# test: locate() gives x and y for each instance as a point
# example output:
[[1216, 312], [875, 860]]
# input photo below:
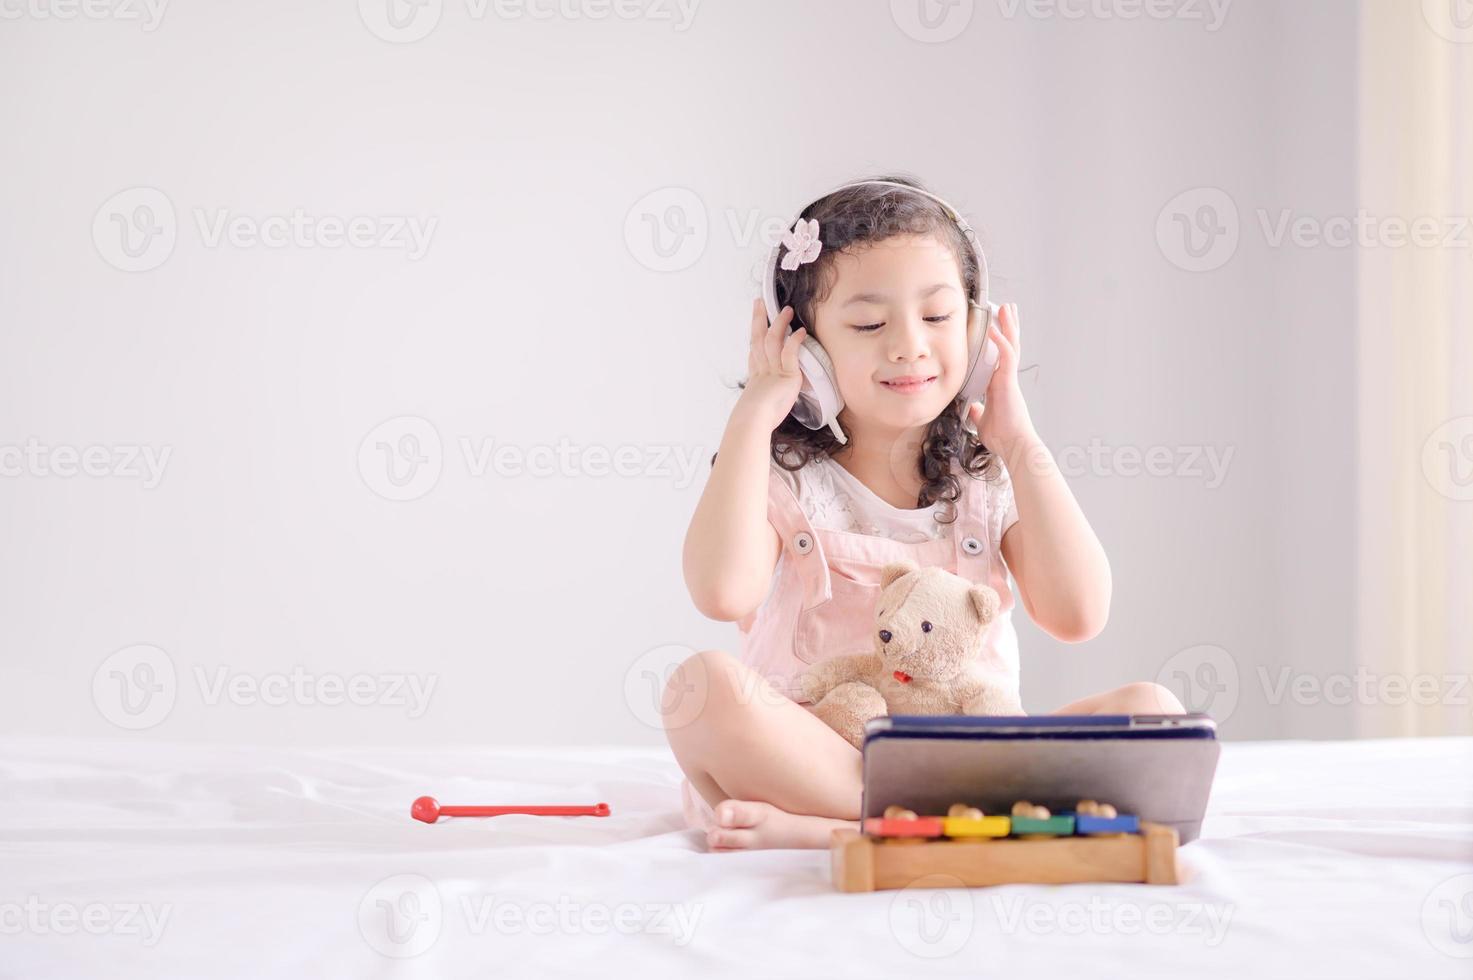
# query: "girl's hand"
[[1005, 424], [773, 378]]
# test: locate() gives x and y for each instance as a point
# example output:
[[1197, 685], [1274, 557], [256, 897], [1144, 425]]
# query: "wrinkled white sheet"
[[124, 858]]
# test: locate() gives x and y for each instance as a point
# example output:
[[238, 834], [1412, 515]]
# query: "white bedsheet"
[[123, 858]]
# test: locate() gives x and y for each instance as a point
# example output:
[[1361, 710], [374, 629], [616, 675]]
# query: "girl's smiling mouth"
[[909, 384]]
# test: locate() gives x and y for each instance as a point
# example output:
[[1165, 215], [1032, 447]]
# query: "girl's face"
[[898, 311]]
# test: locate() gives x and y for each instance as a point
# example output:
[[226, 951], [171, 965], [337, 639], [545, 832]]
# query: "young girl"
[[795, 524]]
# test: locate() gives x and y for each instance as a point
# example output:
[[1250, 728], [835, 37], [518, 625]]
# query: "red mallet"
[[428, 809]]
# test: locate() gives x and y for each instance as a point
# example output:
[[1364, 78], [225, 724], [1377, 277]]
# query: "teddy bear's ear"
[[985, 601], [895, 570]]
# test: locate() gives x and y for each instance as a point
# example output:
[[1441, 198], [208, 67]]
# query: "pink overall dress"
[[822, 603]]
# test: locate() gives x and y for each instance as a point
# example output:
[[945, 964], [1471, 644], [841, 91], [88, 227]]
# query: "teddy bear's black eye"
[[925, 626]]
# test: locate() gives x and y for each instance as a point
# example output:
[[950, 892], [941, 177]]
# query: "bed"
[[126, 858]]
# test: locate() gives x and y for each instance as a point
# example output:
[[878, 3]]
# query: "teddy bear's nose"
[[885, 636]]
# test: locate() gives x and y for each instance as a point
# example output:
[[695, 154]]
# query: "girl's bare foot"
[[747, 825]]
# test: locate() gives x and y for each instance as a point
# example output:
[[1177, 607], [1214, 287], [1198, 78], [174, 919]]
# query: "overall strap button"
[[971, 545], [802, 542]]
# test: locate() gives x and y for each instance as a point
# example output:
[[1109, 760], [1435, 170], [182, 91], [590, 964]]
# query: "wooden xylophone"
[[967, 848]]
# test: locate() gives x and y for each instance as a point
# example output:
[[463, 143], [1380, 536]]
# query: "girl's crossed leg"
[[774, 774], [777, 776]]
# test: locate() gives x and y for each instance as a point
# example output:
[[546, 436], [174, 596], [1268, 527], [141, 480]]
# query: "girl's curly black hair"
[[869, 213]]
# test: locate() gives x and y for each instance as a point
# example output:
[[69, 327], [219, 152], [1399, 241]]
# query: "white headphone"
[[819, 401]]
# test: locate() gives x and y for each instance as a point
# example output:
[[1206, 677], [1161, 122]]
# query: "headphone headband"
[[983, 289]]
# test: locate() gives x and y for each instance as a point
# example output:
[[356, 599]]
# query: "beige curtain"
[[1415, 587]]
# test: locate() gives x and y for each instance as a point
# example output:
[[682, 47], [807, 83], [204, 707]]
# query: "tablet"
[[1158, 767]]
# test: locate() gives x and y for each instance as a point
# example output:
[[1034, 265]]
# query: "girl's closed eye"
[[867, 327]]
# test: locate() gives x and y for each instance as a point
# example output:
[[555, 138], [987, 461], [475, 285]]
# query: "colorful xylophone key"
[[1028, 821]]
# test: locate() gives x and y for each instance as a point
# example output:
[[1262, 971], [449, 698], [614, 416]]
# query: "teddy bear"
[[929, 625]]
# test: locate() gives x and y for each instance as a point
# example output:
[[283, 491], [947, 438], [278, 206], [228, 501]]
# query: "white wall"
[[535, 602]]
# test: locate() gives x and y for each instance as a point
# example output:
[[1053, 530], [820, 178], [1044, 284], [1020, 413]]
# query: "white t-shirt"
[[834, 499]]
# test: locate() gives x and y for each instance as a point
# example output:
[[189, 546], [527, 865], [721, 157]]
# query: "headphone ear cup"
[[982, 357], [819, 401]]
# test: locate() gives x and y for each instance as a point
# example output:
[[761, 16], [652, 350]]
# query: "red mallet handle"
[[428, 809]]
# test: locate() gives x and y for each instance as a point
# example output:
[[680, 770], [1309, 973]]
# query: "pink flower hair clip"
[[802, 244]]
